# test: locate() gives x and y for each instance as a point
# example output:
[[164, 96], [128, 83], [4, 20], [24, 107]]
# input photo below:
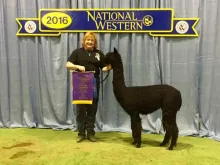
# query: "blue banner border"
[[109, 9], [172, 34], [19, 33], [154, 33]]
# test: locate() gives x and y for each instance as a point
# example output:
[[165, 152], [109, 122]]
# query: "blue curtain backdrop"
[[35, 86]]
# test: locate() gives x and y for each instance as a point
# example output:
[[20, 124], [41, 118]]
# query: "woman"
[[87, 58]]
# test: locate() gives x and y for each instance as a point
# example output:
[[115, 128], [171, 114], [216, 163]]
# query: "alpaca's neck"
[[118, 75]]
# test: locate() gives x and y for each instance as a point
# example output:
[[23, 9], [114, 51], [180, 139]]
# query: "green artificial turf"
[[23, 146]]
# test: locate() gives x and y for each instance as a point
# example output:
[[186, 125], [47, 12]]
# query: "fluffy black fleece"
[[145, 100]]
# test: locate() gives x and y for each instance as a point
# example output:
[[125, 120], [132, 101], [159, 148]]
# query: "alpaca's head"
[[113, 57]]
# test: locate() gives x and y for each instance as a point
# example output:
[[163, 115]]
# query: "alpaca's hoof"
[[163, 144], [138, 145], [170, 148], [134, 143]]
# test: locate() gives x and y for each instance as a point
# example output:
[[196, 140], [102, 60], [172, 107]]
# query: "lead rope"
[[105, 77], [77, 70]]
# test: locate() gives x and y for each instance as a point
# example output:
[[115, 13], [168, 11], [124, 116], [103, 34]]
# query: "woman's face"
[[89, 43]]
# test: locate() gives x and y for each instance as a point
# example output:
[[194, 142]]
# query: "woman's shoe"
[[92, 138], [80, 138]]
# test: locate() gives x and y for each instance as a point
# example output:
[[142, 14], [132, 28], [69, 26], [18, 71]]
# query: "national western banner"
[[156, 22], [83, 87]]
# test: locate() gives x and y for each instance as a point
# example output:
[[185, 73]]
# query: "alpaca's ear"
[[115, 50]]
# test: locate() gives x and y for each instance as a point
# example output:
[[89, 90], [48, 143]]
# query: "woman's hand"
[[107, 68], [81, 68], [72, 67]]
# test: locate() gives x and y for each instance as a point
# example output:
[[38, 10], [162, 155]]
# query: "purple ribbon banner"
[[83, 87]]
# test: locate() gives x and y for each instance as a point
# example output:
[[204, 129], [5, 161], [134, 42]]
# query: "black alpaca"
[[145, 100]]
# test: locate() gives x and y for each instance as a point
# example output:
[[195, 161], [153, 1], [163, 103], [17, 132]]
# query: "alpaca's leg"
[[136, 134], [171, 104], [174, 132], [170, 120], [167, 134], [134, 137], [174, 137], [136, 129]]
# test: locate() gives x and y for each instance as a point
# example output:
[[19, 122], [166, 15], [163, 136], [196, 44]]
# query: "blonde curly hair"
[[90, 34]]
